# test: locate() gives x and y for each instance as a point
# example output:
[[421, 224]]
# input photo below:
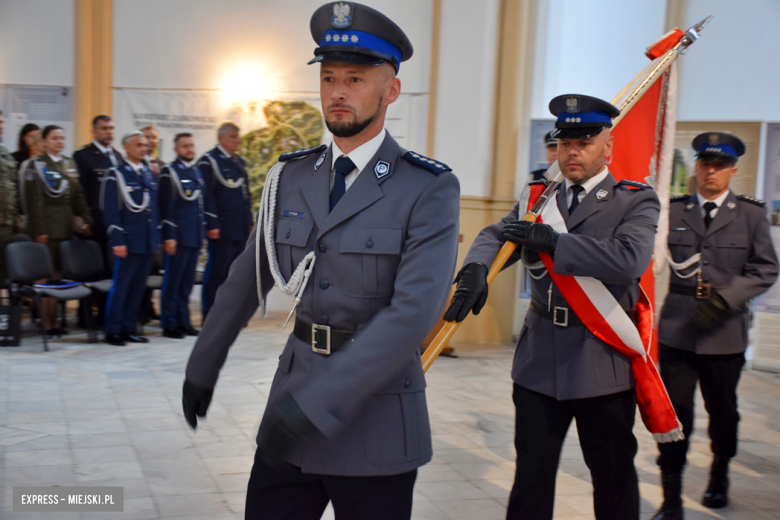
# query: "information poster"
[[40, 105]]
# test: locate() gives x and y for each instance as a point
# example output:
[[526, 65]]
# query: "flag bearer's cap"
[[580, 116]]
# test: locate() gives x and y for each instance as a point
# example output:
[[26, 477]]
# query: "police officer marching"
[[561, 370], [228, 208], [183, 228], [128, 199], [373, 228], [721, 257]]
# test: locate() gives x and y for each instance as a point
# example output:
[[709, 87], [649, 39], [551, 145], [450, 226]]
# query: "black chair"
[[82, 261], [29, 262]]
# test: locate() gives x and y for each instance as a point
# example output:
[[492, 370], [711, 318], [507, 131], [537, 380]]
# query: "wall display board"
[[767, 322], [40, 105]]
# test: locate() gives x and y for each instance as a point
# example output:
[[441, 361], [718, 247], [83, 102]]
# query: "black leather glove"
[[711, 313], [287, 427], [536, 237], [195, 402], [471, 294]]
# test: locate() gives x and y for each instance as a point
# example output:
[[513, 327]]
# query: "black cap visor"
[[724, 158], [576, 131], [346, 54]]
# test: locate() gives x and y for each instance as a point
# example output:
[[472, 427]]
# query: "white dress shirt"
[[588, 185], [106, 151], [359, 156], [55, 158], [718, 202], [224, 152]]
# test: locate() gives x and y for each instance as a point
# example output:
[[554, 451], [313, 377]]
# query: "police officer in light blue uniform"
[[128, 199], [228, 208], [183, 228]]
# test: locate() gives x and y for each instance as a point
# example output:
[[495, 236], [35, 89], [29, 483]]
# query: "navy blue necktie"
[[575, 200], [708, 207], [344, 166]]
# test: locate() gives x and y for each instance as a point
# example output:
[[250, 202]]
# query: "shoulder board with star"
[[634, 185], [758, 202], [435, 167], [297, 154], [679, 198]]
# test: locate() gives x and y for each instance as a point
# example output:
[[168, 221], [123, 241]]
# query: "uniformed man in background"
[[129, 203], [721, 257], [183, 229], [551, 147], [346, 419], [561, 370], [8, 213], [93, 160], [228, 208], [153, 162]]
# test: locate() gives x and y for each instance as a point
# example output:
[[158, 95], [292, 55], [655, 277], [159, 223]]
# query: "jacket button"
[[322, 248], [733, 242], [407, 383], [706, 245], [324, 320], [287, 235], [569, 268], [324, 284], [369, 244], [706, 262]]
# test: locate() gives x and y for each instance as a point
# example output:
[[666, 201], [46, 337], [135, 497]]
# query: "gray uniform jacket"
[[385, 257], [610, 239], [738, 260]]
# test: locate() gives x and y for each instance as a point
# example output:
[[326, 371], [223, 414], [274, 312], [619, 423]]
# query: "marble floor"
[[99, 415]]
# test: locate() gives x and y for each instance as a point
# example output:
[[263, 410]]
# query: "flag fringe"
[[672, 436]]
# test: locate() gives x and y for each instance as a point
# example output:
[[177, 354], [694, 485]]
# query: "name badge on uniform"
[[293, 214]]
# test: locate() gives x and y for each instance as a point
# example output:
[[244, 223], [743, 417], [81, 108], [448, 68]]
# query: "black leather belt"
[[701, 292], [323, 340], [560, 316]]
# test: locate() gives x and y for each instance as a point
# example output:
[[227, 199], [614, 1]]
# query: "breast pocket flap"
[[736, 241], [293, 232], [371, 241], [682, 238]]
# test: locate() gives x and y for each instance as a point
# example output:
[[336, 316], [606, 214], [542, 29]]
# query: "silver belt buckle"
[[320, 334], [565, 322]]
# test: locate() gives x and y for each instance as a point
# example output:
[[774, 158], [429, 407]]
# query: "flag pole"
[[691, 35]]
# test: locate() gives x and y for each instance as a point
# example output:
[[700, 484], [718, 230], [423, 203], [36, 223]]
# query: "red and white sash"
[[601, 313]]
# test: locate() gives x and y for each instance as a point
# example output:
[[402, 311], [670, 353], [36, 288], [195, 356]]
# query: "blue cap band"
[[363, 40], [584, 117], [718, 148]]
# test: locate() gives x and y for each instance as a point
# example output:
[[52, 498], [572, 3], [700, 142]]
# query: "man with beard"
[[181, 217], [561, 370], [376, 228], [228, 208]]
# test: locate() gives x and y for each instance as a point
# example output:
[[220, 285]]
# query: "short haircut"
[[227, 127], [49, 129], [149, 127], [130, 135], [99, 118], [180, 136]]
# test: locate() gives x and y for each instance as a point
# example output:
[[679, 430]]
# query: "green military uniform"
[[8, 211], [52, 197]]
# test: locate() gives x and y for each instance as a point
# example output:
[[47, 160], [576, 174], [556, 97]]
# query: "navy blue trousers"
[[222, 253], [177, 286], [127, 291]]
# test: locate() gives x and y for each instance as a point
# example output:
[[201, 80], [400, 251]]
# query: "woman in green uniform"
[[54, 204]]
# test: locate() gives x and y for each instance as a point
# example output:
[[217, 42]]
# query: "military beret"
[[549, 140], [718, 146], [355, 33], [580, 117]]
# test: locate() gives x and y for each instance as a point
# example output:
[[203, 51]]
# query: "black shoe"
[[716, 495], [189, 330], [132, 338], [173, 333], [56, 331], [672, 508], [118, 340]]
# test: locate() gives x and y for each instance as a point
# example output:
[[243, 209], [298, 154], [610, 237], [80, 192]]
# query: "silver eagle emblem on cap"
[[341, 16], [572, 104], [714, 138]]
